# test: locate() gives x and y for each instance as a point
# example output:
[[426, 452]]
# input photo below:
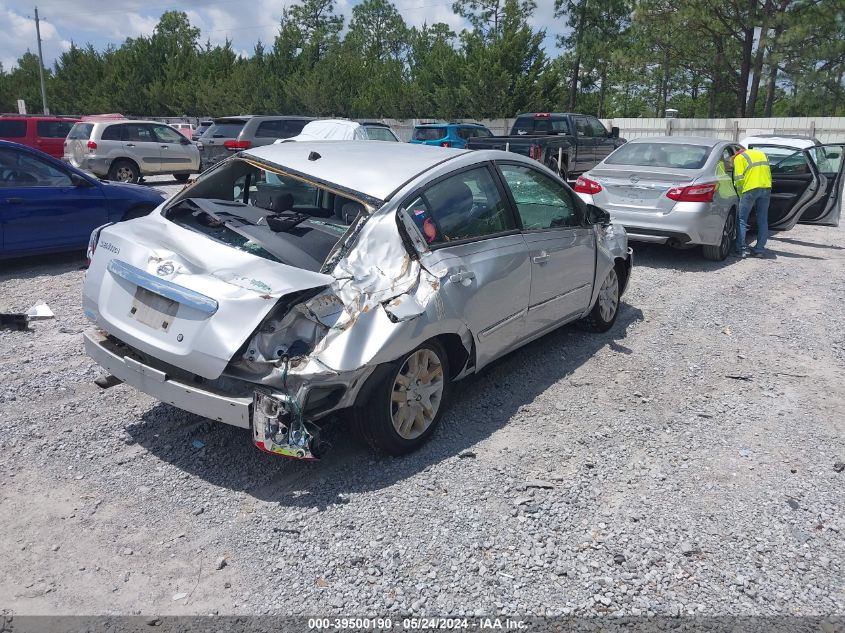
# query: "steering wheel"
[[8, 175]]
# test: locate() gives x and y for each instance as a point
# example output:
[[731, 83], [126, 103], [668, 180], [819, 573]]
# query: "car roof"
[[680, 140], [451, 124], [796, 142], [373, 168]]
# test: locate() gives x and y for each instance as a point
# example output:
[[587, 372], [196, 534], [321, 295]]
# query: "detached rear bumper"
[[152, 381]]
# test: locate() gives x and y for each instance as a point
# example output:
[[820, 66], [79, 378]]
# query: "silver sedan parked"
[[669, 189], [295, 280]]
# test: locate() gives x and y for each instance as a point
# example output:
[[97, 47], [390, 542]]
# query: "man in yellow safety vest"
[[753, 182]]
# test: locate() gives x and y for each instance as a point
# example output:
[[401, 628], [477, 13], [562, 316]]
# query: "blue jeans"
[[759, 198]]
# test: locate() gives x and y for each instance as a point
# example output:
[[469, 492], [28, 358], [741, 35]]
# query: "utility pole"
[[46, 110]]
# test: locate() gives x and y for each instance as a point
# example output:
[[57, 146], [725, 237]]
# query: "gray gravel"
[[683, 463]]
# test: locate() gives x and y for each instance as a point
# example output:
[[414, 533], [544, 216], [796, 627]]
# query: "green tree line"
[[615, 58]]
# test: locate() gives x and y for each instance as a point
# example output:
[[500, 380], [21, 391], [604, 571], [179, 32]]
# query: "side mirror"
[[185, 141], [79, 181], [614, 132], [597, 215]]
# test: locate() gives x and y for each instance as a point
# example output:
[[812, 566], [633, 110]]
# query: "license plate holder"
[[153, 310]]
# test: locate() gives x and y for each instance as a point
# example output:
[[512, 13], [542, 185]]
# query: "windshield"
[[225, 129], [265, 213], [672, 155], [429, 133]]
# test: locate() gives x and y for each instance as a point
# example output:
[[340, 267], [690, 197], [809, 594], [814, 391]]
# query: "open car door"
[[830, 164], [806, 185]]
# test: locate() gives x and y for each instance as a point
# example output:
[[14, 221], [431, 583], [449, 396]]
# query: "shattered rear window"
[[264, 213]]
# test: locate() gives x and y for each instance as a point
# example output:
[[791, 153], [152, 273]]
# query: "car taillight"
[[585, 185], [535, 152], [446, 144], [236, 145], [693, 193], [542, 115], [91, 146], [92, 241]]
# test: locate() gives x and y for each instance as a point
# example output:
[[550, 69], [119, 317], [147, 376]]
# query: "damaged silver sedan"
[[299, 280]]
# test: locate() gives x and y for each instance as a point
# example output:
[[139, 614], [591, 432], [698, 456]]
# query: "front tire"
[[720, 252], [603, 315], [402, 411], [181, 177], [124, 171]]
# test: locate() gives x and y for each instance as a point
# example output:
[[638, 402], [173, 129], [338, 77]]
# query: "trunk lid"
[[181, 297], [638, 188]]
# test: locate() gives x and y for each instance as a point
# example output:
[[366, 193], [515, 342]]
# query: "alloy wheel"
[[609, 296], [124, 174], [417, 394]]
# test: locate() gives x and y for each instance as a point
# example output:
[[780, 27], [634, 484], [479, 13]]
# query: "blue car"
[[448, 134], [48, 206]]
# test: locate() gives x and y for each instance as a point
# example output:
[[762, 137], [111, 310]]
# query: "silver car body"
[[381, 292], [635, 195], [154, 148]]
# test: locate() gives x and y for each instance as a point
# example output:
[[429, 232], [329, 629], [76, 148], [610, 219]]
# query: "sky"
[[242, 21]]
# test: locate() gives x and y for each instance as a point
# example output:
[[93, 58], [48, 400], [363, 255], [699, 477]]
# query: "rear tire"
[[604, 312], [720, 252], [124, 171], [181, 177], [402, 411]]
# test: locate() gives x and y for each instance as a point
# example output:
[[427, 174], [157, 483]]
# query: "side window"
[[582, 127], [138, 133], [15, 128], [483, 132], [167, 134], [794, 164], [291, 127], [726, 162], [828, 158], [19, 169], [464, 206], [466, 133], [379, 134], [597, 127], [269, 129], [112, 133], [53, 129], [541, 202]]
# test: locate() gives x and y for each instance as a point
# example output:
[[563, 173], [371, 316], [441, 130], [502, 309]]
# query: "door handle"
[[130, 145], [164, 147], [14, 200], [541, 258], [461, 276]]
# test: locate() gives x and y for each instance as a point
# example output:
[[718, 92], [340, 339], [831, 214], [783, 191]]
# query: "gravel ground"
[[681, 463]]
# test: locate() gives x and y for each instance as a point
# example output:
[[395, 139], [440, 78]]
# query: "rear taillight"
[[446, 144], [585, 185], [92, 241], [693, 193], [236, 145], [91, 146], [535, 152]]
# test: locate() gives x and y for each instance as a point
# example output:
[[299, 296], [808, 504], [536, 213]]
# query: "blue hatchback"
[[448, 134], [48, 206]]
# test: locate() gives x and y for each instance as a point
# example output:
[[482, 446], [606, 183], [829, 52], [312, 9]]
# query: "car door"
[[40, 206], [585, 151], [176, 156], [797, 187], [829, 162], [603, 143], [560, 245], [141, 145], [51, 135], [471, 234]]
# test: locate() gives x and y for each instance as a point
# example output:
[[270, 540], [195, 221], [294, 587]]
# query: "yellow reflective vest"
[[751, 171]]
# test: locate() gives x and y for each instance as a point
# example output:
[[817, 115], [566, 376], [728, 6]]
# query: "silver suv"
[[231, 134], [127, 150]]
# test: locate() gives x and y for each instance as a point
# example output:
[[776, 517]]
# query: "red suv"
[[43, 132]]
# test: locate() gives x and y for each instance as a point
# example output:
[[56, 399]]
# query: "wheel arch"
[[125, 159]]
